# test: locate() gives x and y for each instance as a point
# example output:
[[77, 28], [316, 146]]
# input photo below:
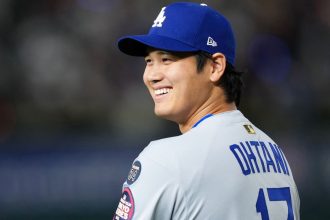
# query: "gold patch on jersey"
[[249, 129]]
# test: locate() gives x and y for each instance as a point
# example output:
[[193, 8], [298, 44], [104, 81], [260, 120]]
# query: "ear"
[[219, 65]]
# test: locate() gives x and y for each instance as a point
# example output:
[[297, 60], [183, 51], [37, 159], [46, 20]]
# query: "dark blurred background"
[[74, 112]]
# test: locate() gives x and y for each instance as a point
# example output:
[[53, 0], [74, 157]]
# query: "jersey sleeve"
[[151, 191]]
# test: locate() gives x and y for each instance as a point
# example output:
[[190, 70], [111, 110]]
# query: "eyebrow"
[[162, 52]]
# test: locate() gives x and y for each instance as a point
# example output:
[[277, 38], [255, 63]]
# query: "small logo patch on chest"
[[249, 129], [134, 173]]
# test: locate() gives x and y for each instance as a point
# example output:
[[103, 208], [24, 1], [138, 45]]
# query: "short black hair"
[[231, 81]]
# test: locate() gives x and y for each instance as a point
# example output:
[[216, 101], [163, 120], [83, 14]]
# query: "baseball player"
[[222, 166]]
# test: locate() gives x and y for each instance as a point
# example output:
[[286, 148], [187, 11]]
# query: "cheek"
[[145, 81], [195, 89]]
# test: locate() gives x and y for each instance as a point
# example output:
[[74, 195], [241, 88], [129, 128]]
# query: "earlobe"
[[219, 65]]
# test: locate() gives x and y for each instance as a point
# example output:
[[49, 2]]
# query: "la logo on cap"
[[160, 18]]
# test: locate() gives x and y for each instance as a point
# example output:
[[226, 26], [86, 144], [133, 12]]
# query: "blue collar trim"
[[202, 119]]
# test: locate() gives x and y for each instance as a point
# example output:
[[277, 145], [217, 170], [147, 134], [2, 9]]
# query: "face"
[[178, 90]]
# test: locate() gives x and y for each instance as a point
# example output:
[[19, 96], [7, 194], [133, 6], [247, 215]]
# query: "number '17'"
[[274, 194]]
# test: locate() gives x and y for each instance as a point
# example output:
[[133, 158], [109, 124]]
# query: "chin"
[[162, 113], [166, 115]]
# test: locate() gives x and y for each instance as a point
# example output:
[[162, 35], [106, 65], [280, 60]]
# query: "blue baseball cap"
[[184, 27]]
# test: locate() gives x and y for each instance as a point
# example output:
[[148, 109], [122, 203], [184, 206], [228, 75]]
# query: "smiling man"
[[222, 166], [173, 79]]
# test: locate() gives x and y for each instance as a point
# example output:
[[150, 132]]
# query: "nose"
[[152, 74]]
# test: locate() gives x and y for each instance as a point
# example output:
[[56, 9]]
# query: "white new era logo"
[[160, 18], [211, 42]]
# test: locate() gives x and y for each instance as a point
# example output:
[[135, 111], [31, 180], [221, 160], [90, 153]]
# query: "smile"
[[162, 91]]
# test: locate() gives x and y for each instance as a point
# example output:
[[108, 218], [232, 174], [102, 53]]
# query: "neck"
[[196, 116]]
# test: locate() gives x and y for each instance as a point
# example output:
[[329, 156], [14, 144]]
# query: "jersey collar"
[[202, 119]]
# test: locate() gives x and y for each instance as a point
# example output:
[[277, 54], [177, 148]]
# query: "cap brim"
[[137, 45]]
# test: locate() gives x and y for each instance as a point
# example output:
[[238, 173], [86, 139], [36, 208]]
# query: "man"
[[222, 166]]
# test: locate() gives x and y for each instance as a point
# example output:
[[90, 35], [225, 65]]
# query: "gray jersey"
[[224, 168]]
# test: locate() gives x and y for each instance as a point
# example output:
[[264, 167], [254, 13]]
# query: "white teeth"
[[162, 91]]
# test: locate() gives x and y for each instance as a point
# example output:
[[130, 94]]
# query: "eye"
[[148, 61], [167, 59]]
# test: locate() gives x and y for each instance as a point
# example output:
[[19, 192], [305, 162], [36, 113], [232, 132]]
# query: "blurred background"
[[74, 112]]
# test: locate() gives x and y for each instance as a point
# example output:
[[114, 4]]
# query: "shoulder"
[[173, 148], [162, 153], [170, 152]]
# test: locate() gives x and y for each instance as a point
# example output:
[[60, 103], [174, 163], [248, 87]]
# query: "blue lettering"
[[250, 156], [278, 158], [285, 163], [268, 158], [237, 150], [256, 144]]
